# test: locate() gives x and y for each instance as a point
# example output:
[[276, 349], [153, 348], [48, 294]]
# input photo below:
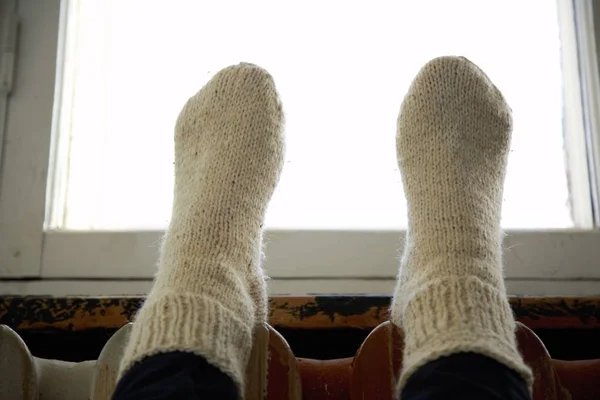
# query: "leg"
[[453, 140], [175, 375], [209, 292], [465, 376]]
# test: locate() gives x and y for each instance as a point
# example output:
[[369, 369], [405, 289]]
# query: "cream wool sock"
[[210, 290], [453, 140]]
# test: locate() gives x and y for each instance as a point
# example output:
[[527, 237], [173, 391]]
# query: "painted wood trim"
[[27, 140], [547, 255]]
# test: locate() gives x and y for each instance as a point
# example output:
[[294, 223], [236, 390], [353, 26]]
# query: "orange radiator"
[[368, 370]]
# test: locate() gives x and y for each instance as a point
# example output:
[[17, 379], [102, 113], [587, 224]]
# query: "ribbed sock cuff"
[[190, 323], [459, 315]]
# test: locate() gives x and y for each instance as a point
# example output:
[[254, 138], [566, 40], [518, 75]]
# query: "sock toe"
[[244, 83], [457, 85]]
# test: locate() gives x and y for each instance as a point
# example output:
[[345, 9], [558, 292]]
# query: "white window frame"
[[35, 261]]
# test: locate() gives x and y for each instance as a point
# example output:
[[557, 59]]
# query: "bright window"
[[342, 69], [86, 138]]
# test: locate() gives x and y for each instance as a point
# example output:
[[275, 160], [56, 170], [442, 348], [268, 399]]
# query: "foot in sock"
[[209, 291], [453, 140]]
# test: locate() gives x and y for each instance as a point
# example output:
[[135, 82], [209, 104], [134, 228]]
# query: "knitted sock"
[[209, 291], [453, 139]]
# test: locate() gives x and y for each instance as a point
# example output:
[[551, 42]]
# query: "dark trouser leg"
[[465, 376], [175, 375]]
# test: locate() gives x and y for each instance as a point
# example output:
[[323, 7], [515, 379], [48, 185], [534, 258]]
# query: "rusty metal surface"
[[547, 384], [300, 312], [557, 312], [377, 362], [581, 378], [325, 379], [67, 313], [371, 374], [284, 381]]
